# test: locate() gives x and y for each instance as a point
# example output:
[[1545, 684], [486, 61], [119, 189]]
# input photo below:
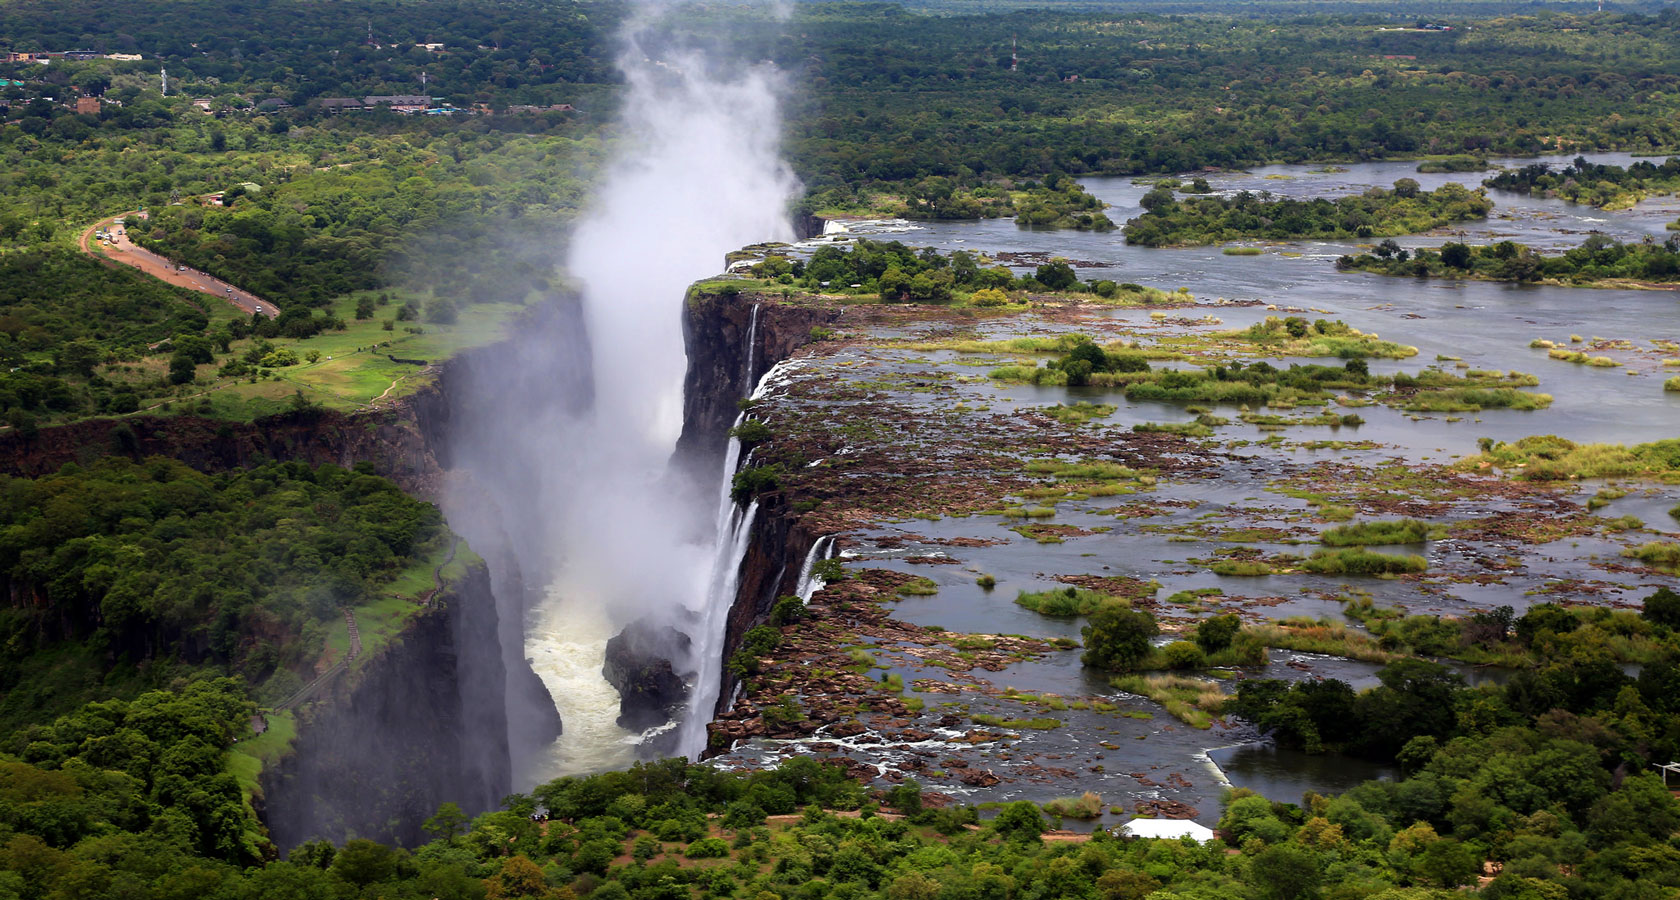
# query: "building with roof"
[[1170, 829]]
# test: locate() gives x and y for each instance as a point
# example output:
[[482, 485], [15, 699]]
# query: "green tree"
[[1216, 633], [1020, 821], [446, 823], [1286, 871], [182, 369], [1117, 638]]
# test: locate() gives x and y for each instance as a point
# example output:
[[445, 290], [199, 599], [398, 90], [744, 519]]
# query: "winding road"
[[120, 249]]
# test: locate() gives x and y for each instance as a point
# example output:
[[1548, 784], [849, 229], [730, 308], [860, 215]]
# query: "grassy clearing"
[[354, 366], [247, 758], [1190, 700]]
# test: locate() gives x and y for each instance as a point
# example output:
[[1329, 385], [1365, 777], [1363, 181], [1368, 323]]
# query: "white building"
[[1166, 828]]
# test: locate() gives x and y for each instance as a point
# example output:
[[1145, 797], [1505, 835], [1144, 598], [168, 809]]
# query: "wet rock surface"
[[638, 663]]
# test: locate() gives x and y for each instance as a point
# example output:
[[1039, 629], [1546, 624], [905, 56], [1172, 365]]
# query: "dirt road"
[[121, 249]]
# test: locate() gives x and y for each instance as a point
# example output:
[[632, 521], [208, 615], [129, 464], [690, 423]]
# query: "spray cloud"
[[699, 175]]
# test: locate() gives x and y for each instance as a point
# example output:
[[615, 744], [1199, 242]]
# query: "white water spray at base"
[[700, 175]]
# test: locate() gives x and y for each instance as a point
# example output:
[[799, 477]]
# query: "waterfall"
[[752, 348], [809, 582], [734, 528]]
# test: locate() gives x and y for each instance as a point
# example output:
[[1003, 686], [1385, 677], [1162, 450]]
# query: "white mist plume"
[[700, 176]]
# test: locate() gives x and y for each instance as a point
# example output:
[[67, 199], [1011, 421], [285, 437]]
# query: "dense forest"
[[1538, 784], [141, 572]]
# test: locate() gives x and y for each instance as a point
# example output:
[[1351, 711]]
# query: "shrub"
[[1183, 655], [707, 848], [1215, 634], [1085, 806], [752, 431], [1064, 601], [1360, 534], [986, 582], [749, 483], [787, 610], [1117, 637], [1355, 561]]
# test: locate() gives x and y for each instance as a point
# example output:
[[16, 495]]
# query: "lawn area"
[[354, 366], [247, 758]]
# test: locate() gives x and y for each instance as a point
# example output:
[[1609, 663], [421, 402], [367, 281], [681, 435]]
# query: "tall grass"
[[1190, 700], [1065, 601], [1085, 806], [1368, 534], [1330, 638], [1356, 561]]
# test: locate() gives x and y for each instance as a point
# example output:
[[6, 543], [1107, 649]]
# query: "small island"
[[1598, 186], [1170, 221], [1600, 261]]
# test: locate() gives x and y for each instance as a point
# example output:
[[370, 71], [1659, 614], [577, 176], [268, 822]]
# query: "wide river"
[[1453, 324]]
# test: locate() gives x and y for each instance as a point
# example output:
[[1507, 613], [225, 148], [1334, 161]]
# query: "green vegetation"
[[1192, 701], [1294, 336], [1088, 805], [1458, 163], [1358, 561], [899, 273], [1064, 601], [152, 571], [1551, 458], [1369, 534], [919, 586], [1169, 221], [1599, 260], [1330, 638], [1602, 186]]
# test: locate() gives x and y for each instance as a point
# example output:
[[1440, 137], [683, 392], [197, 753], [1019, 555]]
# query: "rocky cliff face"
[[420, 724], [723, 366], [716, 327]]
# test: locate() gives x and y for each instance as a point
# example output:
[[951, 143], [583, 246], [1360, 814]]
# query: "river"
[[1141, 754]]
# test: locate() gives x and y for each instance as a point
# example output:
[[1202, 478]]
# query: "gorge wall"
[[716, 327], [421, 723]]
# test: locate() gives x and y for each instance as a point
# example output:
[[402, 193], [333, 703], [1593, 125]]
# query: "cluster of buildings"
[[415, 104], [47, 56]]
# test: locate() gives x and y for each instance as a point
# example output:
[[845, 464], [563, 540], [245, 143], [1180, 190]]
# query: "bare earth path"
[[124, 251]]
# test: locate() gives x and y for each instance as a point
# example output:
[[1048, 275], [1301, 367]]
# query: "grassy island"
[[1171, 221], [1600, 186], [1599, 261]]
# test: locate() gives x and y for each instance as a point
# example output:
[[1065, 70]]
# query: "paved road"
[[122, 250]]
